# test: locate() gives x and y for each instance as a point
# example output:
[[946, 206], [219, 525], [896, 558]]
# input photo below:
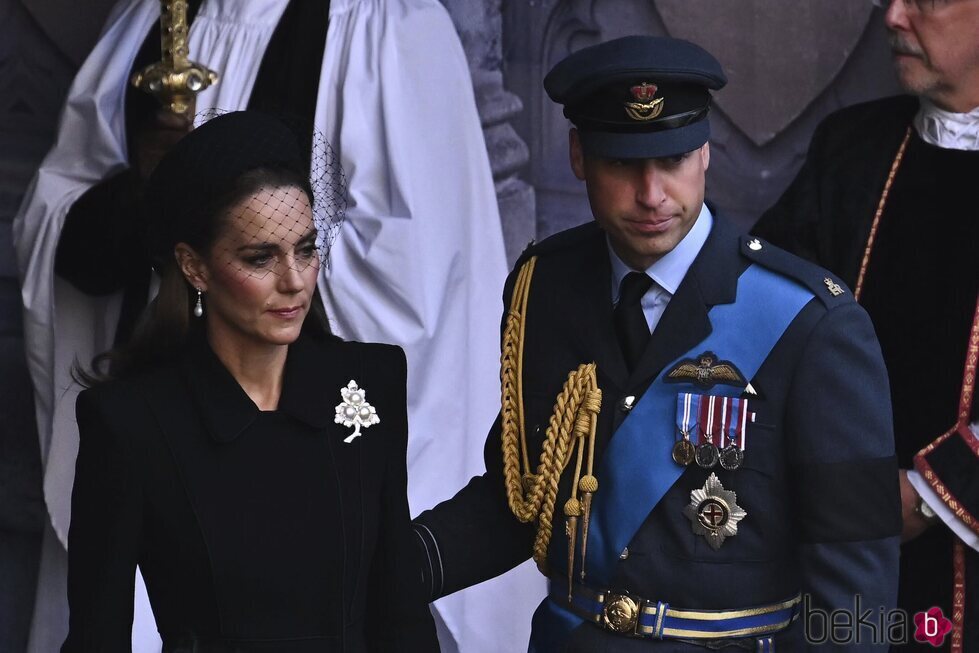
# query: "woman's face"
[[261, 272]]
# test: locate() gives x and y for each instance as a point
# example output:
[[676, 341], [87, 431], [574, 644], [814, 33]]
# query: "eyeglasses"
[[917, 6]]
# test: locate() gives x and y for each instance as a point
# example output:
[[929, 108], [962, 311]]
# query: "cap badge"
[[645, 107], [706, 371], [354, 410], [714, 513]]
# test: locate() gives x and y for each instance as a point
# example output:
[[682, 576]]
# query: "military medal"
[[354, 410], [707, 452], [732, 455], [707, 455], [684, 451], [714, 513]]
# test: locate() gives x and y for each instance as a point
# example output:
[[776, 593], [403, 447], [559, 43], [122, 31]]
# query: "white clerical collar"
[[669, 270], [951, 131]]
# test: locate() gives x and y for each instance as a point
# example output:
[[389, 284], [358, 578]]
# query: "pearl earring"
[[198, 307]]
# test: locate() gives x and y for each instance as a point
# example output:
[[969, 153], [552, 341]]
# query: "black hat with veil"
[[239, 181], [202, 175]]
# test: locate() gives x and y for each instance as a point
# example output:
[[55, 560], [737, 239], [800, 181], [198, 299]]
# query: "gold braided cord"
[[532, 495]]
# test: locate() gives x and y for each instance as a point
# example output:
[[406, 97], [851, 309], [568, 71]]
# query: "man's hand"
[[156, 137], [914, 522]]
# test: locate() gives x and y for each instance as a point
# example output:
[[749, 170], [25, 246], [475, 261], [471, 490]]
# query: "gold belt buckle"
[[620, 614]]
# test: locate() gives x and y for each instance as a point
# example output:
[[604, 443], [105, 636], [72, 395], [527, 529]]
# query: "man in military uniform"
[[886, 200], [695, 438]]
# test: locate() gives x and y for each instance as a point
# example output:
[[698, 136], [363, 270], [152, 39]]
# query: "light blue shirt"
[[667, 272]]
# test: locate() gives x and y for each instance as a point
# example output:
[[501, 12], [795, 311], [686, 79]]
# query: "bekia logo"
[[931, 627], [860, 624]]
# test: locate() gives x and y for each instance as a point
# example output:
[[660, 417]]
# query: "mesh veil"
[[241, 191]]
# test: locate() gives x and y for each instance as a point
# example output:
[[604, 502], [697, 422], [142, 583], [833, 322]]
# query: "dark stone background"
[[790, 64]]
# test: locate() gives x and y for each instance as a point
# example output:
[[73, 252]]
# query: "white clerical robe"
[[419, 261]]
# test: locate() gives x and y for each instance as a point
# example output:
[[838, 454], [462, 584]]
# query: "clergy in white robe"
[[419, 261]]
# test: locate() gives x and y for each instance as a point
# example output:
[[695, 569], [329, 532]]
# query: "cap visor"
[[645, 145]]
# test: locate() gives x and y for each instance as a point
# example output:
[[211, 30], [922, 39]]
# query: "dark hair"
[[165, 326]]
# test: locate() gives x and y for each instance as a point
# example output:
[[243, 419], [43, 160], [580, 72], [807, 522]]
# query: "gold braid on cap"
[[573, 424]]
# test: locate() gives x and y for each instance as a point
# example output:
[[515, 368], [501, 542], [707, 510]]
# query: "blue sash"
[[637, 469]]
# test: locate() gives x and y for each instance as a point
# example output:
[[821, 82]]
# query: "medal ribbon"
[[722, 434], [738, 423], [707, 419], [687, 414]]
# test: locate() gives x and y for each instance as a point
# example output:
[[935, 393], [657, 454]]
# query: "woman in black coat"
[[250, 463]]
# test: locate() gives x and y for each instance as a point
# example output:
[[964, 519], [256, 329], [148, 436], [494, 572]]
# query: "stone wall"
[[480, 27]]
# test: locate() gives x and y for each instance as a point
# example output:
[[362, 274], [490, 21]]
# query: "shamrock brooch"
[[354, 410]]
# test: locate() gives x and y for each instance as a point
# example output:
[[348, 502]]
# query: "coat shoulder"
[[372, 353], [127, 391], [123, 406], [561, 242], [886, 117], [827, 287]]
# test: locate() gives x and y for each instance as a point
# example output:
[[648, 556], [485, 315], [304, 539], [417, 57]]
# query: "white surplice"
[[419, 261]]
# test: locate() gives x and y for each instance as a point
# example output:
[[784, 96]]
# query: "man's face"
[[935, 45], [646, 206]]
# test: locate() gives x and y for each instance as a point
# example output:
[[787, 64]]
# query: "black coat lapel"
[[712, 279]]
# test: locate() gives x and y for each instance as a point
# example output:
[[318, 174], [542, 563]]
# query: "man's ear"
[[576, 154], [705, 155], [191, 265]]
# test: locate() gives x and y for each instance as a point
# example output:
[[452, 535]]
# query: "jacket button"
[[625, 554], [627, 403]]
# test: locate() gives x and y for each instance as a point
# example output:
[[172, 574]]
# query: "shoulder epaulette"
[[826, 286], [559, 241]]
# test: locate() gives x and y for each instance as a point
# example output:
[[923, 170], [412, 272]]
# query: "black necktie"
[[630, 323]]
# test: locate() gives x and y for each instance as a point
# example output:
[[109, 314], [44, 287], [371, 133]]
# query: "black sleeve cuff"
[[432, 579], [949, 466]]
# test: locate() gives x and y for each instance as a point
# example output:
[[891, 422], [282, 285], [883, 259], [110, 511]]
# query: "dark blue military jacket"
[[818, 482]]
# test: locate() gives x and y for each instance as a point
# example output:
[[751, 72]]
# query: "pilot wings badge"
[[705, 372]]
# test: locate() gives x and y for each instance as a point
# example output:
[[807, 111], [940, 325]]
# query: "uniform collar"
[[668, 272], [225, 408], [945, 129]]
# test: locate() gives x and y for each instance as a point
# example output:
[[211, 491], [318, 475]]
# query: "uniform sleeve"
[[404, 623], [942, 510], [949, 468], [103, 541], [474, 536], [846, 495], [103, 225]]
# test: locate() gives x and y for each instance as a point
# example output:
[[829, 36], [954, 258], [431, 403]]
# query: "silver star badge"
[[354, 410], [714, 513]]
